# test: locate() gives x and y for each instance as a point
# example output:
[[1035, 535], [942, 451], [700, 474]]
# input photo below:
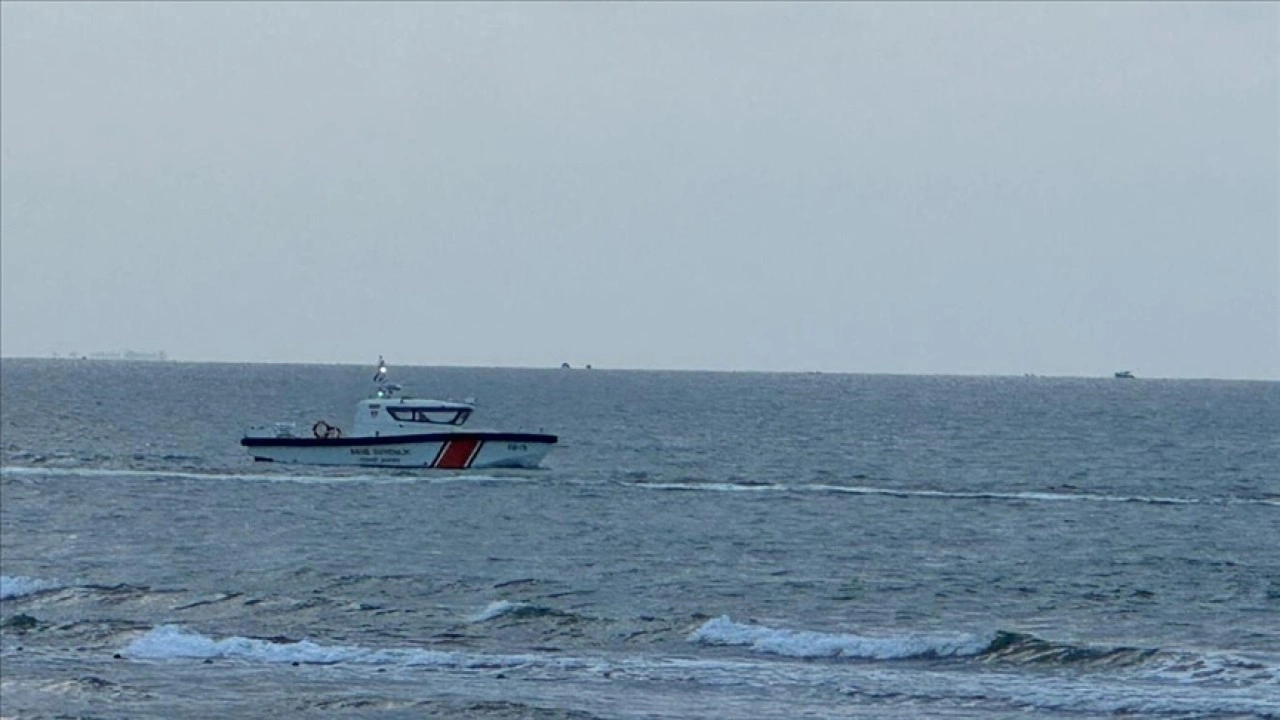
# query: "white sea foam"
[[392, 475], [497, 609], [711, 486], [172, 642], [1023, 496], [1217, 667], [19, 585], [808, 644], [1218, 670]]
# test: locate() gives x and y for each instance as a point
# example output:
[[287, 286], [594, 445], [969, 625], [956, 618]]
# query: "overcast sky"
[[1002, 188]]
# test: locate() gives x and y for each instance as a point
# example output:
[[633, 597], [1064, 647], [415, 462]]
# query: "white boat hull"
[[442, 451]]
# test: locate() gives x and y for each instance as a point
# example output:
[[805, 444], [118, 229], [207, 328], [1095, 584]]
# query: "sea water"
[[699, 545]]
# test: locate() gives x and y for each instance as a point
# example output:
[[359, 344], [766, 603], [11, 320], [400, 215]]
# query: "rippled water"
[[699, 545]]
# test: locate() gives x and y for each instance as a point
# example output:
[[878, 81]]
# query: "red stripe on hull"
[[458, 454]]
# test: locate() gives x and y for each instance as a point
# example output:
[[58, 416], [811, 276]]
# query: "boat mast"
[[385, 389]]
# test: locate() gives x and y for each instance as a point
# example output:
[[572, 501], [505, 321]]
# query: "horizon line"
[[591, 367]]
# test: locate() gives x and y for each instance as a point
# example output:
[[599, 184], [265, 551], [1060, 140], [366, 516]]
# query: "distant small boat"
[[1124, 375], [129, 355]]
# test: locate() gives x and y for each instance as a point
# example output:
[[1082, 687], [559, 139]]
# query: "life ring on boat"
[[321, 429]]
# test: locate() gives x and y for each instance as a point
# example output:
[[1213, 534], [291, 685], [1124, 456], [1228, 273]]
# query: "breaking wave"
[[20, 585], [506, 608], [1163, 692], [809, 644], [172, 642], [994, 647]]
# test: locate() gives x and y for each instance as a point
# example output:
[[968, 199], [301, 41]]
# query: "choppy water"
[[699, 546]]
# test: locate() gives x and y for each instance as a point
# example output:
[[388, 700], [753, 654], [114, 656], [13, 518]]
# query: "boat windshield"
[[434, 416]]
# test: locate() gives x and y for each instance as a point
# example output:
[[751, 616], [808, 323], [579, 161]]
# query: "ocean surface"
[[699, 545]]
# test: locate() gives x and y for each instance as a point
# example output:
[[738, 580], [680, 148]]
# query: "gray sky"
[[1043, 188]]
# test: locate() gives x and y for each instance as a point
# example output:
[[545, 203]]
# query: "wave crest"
[[995, 647], [20, 585], [1024, 648], [809, 644], [171, 642], [516, 610]]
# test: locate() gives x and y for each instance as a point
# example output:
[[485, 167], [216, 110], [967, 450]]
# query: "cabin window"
[[436, 416]]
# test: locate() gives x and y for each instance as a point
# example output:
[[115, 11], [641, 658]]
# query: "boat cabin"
[[378, 416]]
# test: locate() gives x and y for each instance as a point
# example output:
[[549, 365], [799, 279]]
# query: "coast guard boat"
[[391, 430]]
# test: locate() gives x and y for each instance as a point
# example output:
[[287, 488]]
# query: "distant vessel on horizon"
[[1124, 375], [129, 355]]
